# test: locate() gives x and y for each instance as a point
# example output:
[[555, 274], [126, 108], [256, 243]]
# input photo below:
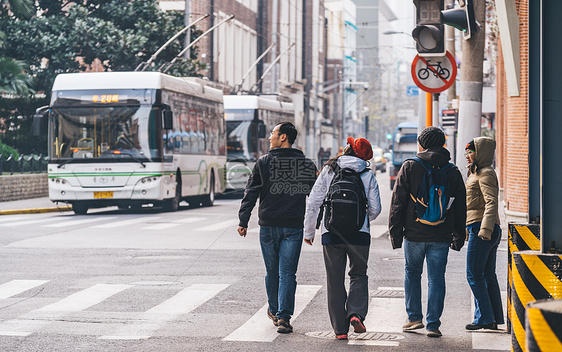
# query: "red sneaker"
[[358, 326], [341, 337]]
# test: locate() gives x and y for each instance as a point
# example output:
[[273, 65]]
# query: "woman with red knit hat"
[[345, 308]]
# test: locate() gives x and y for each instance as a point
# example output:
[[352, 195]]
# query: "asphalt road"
[[185, 281]]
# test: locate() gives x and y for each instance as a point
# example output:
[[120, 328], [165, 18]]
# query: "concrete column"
[[470, 102]]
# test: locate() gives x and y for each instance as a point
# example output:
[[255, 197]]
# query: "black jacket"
[[402, 218], [281, 179]]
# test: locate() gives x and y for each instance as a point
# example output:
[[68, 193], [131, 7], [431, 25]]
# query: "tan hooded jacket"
[[482, 188]]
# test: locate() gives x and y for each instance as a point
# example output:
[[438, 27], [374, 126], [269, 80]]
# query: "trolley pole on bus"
[[164, 68], [144, 65]]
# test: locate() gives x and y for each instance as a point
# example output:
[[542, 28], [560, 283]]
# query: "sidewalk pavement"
[[33, 205]]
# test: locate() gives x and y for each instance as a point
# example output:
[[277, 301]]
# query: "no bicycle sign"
[[434, 74]]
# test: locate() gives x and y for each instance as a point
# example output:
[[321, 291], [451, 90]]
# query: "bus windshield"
[[242, 140], [115, 132]]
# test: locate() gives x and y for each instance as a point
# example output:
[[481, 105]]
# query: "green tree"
[[67, 37], [121, 34], [20, 8], [13, 79]]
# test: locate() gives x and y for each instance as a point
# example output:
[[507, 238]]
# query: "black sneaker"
[[272, 317], [283, 326], [491, 326]]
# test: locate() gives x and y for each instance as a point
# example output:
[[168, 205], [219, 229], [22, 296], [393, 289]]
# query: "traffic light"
[[429, 33], [461, 18]]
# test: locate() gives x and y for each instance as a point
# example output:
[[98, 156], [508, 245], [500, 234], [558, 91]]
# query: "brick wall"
[[513, 126], [14, 187]]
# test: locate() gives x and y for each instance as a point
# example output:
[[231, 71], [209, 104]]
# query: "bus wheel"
[[174, 203], [209, 199], [79, 209]]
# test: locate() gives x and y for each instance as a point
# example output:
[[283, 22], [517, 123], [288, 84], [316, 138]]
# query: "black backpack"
[[434, 196], [345, 203]]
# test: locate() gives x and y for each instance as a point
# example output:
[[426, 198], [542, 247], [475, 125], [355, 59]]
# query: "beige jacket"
[[482, 189]]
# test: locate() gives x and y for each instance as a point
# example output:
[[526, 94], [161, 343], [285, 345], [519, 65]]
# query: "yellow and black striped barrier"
[[536, 276], [543, 328], [522, 237]]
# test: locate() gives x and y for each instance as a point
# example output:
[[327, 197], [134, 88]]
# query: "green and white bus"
[[132, 138], [249, 119]]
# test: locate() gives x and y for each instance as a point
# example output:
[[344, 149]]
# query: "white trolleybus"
[[134, 138], [249, 119]]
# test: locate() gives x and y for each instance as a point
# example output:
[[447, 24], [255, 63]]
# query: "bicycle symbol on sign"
[[437, 70]]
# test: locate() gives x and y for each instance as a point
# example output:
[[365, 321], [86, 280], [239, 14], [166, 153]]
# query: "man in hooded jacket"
[[423, 241]]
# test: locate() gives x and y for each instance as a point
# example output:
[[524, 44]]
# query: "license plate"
[[108, 194]]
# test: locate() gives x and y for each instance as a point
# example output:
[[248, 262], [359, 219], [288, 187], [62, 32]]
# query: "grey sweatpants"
[[341, 305]]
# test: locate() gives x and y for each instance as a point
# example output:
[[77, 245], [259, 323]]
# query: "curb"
[[35, 210]]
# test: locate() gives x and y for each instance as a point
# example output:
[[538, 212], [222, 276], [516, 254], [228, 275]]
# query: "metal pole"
[[256, 85], [186, 20], [239, 86], [145, 65], [193, 43], [450, 46], [315, 146], [428, 110], [435, 119]]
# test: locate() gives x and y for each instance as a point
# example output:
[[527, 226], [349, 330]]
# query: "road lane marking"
[[85, 298], [153, 319], [80, 222], [260, 328], [386, 315], [27, 222], [16, 287], [189, 220], [378, 230], [124, 223], [218, 226], [490, 339], [13, 217], [161, 226], [40, 318]]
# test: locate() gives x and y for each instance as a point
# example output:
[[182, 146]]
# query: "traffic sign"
[[449, 118], [434, 74], [412, 91]]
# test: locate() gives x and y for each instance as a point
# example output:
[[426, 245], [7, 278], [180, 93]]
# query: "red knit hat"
[[361, 147]]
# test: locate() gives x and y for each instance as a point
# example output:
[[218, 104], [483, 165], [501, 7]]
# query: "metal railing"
[[25, 164]]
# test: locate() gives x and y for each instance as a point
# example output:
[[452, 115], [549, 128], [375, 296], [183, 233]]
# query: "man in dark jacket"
[[423, 241], [281, 179]]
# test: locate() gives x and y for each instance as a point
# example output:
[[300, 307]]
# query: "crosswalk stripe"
[[13, 217], [260, 328], [124, 222], [491, 340], [27, 222], [16, 287], [73, 303], [183, 302], [218, 226], [189, 220], [386, 315], [85, 298], [161, 226], [79, 222]]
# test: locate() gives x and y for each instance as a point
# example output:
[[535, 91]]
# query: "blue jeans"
[[281, 249], [481, 275], [436, 254]]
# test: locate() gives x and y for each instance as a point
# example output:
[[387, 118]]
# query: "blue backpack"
[[433, 198]]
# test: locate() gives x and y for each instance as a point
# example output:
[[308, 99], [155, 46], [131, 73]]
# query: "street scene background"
[[115, 280]]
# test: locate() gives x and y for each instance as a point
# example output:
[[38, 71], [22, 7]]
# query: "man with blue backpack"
[[427, 215]]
